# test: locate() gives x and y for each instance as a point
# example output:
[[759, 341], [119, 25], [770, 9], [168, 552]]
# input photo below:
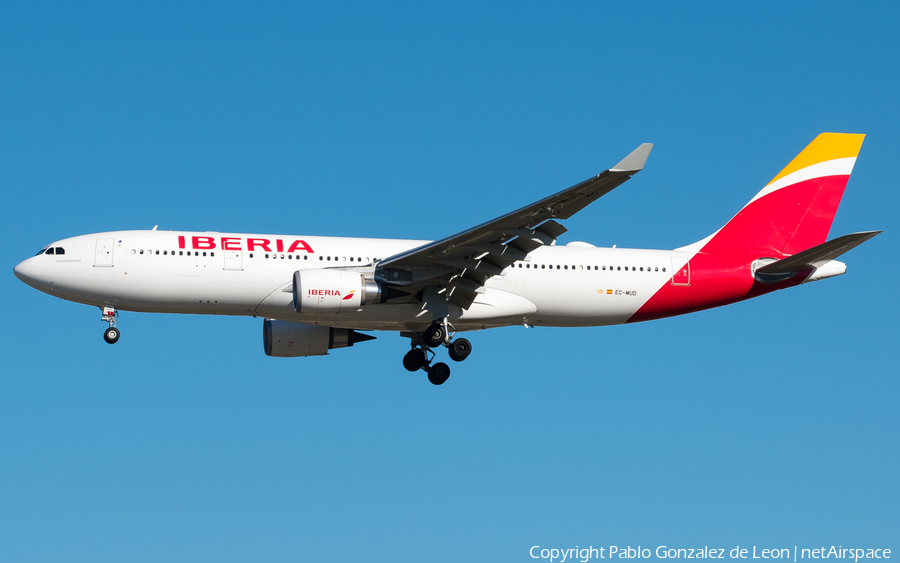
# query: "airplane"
[[316, 294]]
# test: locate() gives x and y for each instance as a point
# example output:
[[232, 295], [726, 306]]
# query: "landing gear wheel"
[[438, 373], [460, 349], [414, 360], [111, 335], [434, 336]]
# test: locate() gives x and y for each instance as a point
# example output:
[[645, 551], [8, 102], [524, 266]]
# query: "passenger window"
[[157, 252], [664, 269], [320, 257], [642, 268], [619, 268], [251, 255], [306, 257], [351, 259], [542, 266], [267, 255], [211, 254], [557, 266]]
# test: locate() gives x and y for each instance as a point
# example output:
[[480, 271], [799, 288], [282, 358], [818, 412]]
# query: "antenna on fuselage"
[[154, 227]]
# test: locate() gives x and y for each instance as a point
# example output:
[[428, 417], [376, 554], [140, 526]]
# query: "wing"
[[460, 264]]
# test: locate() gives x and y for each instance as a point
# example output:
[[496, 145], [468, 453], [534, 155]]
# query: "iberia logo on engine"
[[324, 292]]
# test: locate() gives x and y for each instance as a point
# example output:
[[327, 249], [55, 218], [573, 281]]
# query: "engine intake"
[[333, 291], [284, 339]]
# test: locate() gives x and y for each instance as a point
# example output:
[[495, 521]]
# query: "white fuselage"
[[241, 274]]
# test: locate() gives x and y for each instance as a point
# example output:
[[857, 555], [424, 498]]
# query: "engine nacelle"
[[283, 339], [332, 291]]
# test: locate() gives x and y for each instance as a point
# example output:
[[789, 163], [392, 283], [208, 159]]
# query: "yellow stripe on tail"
[[827, 146]]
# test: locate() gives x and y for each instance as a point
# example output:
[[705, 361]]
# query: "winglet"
[[635, 161]]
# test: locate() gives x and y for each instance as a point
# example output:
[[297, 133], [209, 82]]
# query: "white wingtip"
[[635, 161]]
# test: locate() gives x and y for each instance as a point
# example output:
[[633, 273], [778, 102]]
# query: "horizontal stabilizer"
[[818, 255]]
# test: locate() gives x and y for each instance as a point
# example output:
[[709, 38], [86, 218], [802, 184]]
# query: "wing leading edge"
[[461, 263]]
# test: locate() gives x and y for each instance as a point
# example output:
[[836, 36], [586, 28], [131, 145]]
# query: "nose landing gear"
[[111, 335], [421, 355]]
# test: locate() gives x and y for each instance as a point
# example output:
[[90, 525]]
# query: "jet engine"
[[333, 291], [284, 339]]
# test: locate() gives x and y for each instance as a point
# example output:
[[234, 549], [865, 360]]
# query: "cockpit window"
[[60, 250], [49, 251], [41, 251]]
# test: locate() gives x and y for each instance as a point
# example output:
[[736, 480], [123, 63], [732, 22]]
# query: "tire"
[[434, 336], [111, 335], [460, 349], [414, 360], [439, 373]]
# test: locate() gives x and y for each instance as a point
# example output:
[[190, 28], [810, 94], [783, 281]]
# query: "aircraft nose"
[[26, 271]]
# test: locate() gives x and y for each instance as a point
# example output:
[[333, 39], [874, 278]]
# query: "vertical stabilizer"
[[795, 210]]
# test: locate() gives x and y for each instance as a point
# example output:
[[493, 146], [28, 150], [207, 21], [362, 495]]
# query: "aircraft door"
[[681, 271], [234, 259], [103, 254]]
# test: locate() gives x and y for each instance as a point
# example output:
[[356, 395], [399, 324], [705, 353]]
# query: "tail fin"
[[795, 210]]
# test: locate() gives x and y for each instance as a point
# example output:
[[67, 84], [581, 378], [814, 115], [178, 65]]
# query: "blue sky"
[[772, 422]]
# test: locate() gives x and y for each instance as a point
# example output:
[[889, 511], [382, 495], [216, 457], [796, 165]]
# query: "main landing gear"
[[111, 335], [421, 355]]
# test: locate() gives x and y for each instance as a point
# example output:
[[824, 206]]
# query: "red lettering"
[[203, 243], [279, 245], [301, 244], [260, 242], [324, 292], [231, 243], [181, 242]]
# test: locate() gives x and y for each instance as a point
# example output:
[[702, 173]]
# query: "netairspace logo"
[[585, 554]]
